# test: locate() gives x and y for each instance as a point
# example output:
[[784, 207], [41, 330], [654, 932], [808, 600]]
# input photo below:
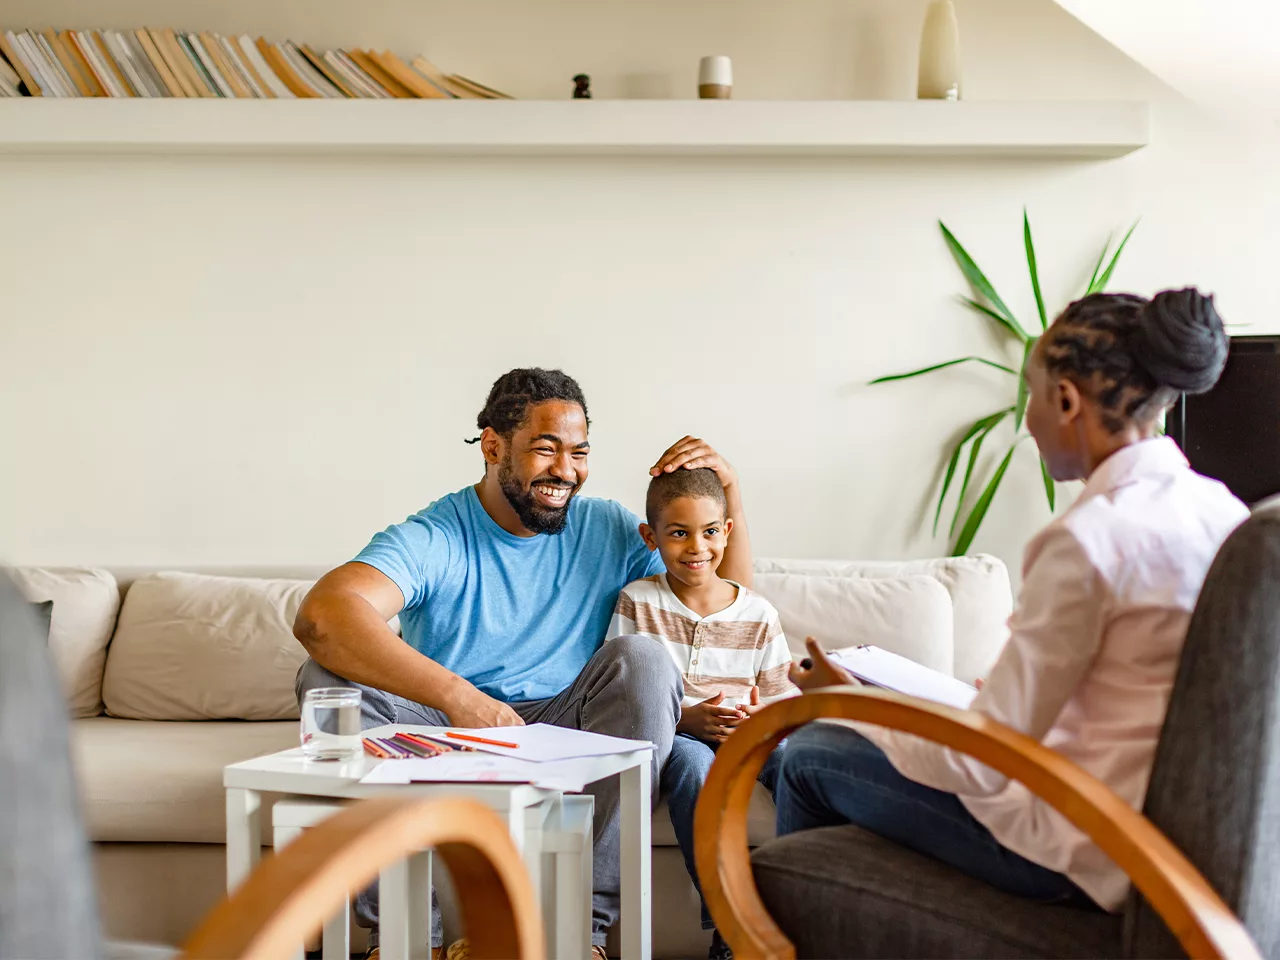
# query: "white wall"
[[261, 361], [1223, 53]]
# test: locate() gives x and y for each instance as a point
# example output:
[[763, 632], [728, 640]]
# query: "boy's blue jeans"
[[832, 775], [681, 782]]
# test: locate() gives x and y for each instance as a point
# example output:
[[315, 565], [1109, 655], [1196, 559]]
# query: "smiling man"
[[504, 591]]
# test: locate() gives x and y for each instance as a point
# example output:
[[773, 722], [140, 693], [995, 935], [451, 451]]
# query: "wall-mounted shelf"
[[670, 127]]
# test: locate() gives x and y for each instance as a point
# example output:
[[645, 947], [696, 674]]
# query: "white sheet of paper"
[[881, 668], [568, 775], [542, 743]]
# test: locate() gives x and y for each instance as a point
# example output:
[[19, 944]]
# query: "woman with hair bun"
[[1107, 593]]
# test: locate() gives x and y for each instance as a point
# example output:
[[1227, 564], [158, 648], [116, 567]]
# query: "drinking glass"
[[331, 723]]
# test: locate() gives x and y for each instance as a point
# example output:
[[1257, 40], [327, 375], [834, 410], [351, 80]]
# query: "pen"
[[492, 743]]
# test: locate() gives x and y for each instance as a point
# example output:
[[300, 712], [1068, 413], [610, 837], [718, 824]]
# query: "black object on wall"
[[1232, 433]]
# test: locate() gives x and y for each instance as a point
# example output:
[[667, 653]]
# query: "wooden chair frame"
[[1195, 914], [293, 892]]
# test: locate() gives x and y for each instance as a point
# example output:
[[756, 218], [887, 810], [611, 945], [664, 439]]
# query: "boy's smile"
[[690, 536]]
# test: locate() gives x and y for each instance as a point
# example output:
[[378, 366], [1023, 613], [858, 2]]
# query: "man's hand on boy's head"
[[708, 721], [690, 453]]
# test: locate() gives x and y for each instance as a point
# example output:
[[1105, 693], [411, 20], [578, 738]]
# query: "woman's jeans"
[[681, 782], [831, 775]]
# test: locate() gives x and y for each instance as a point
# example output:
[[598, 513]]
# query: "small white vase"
[[940, 53]]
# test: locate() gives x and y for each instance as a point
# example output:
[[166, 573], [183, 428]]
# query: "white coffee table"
[[288, 772]]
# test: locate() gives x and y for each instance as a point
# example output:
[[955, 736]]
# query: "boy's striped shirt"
[[727, 652]]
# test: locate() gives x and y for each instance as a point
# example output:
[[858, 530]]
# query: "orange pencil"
[[377, 751], [492, 743]]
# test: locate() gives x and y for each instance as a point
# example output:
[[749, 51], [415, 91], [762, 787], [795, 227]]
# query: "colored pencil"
[[492, 743], [416, 749], [394, 747]]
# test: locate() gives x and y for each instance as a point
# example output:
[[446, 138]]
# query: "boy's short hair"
[[703, 484]]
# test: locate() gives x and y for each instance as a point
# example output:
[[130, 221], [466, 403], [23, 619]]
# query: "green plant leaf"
[[1100, 283], [942, 366], [988, 312], [1035, 274], [1020, 407], [955, 460], [988, 425], [979, 511], [978, 280], [1097, 267], [1050, 489]]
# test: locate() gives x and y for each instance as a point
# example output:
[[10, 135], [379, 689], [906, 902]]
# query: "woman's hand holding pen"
[[818, 670]]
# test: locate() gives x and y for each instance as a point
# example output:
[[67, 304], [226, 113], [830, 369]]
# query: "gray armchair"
[[1206, 853]]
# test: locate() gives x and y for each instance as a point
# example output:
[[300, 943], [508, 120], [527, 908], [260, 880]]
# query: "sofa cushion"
[[157, 781], [981, 598], [85, 604], [909, 615], [192, 647], [845, 892], [761, 821]]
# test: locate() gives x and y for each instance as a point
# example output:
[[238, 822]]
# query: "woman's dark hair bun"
[[1180, 340]]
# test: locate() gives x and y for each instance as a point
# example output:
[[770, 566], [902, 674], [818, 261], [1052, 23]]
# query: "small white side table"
[[289, 772], [558, 838]]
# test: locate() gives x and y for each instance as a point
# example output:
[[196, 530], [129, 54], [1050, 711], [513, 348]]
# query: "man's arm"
[[342, 623], [691, 453]]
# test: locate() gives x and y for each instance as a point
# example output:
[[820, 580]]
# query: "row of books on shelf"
[[171, 63]]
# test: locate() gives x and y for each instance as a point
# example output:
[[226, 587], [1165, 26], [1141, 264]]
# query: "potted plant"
[[988, 303]]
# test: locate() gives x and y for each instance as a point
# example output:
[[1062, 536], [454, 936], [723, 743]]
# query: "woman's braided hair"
[[1133, 355], [514, 392]]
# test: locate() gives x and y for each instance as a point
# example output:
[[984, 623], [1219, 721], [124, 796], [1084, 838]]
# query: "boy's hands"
[[708, 721], [753, 704], [691, 453]]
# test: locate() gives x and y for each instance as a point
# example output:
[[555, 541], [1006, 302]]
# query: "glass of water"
[[331, 723]]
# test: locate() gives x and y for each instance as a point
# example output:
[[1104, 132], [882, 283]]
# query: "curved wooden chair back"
[[1196, 915], [291, 894]]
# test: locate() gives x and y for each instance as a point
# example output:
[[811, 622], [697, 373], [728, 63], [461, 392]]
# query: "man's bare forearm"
[[736, 564], [344, 634]]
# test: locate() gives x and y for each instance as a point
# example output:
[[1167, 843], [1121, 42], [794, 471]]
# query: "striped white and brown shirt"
[[727, 652]]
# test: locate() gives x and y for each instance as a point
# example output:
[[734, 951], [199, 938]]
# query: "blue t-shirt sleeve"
[[415, 555]]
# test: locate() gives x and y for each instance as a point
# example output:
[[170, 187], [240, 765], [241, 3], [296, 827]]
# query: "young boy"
[[726, 640]]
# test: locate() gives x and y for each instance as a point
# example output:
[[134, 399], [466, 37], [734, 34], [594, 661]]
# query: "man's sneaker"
[[719, 949]]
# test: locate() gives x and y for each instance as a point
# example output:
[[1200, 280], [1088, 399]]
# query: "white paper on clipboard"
[[880, 668]]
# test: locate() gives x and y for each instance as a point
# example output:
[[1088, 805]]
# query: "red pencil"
[[492, 743], [377, 751]]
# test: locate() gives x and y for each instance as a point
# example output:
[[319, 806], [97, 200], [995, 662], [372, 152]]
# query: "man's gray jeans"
[[630, 688]]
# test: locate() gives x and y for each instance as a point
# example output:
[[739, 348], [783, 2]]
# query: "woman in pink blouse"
[[1108, 589]]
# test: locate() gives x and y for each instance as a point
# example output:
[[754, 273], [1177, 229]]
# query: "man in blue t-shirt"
[[504, 591]]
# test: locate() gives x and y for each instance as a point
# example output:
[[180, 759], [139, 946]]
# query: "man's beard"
[[533, 515]]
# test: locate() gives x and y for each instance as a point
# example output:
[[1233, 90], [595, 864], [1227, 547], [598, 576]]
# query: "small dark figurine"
[[582, 87]]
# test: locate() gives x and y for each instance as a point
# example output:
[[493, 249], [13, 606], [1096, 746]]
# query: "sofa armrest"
[[1203, 924], [290, 894]]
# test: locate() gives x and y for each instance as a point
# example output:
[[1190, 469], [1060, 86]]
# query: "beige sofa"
[[171, 676]]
